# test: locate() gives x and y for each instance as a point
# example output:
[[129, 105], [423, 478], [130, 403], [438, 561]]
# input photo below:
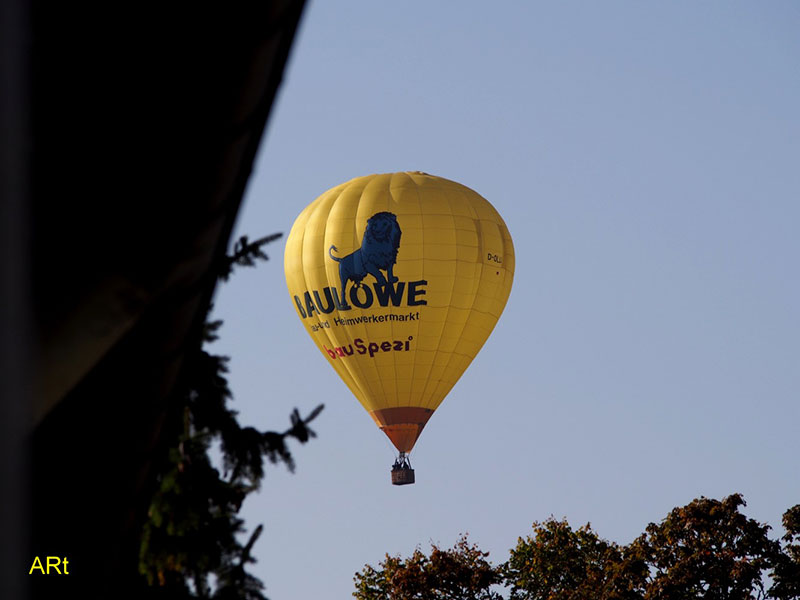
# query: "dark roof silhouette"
[[133, 130]]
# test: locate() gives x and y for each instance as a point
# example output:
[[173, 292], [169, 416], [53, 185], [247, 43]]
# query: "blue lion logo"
[[378, 252]]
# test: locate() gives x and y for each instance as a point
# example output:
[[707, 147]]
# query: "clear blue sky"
[[646, 157]]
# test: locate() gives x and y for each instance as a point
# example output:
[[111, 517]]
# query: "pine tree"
[[190, 544]]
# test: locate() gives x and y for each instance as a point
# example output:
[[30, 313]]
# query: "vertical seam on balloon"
[[369, 392], [428, 381], [391, 307], [408, 399], [428, 404], [476, 286], [305, 276], [426, 395], [374, 365], [479, 231], [378, 390], [362, 329], [356, 382], [383, 385], [422, 245]]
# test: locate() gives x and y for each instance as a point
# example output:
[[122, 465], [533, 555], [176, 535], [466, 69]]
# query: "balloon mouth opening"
[[402, 473], [402, 425]]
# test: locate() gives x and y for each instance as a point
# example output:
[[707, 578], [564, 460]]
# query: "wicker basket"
[[402, 476]]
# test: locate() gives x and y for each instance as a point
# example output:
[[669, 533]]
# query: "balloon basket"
[[402, 473]]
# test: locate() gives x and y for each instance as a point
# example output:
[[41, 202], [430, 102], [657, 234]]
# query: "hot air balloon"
[[399, 279]]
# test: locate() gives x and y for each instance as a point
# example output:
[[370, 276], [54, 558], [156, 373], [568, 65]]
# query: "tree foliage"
[[458, 573], [705, 550], [190, 544], [561, 563], [786, 575]]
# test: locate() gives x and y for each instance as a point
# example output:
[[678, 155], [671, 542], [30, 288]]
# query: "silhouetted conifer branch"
[[210, 330], [192, 527], [246, 253]]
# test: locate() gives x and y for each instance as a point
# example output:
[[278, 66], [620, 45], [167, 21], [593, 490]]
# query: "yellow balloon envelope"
[[399, 279]]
